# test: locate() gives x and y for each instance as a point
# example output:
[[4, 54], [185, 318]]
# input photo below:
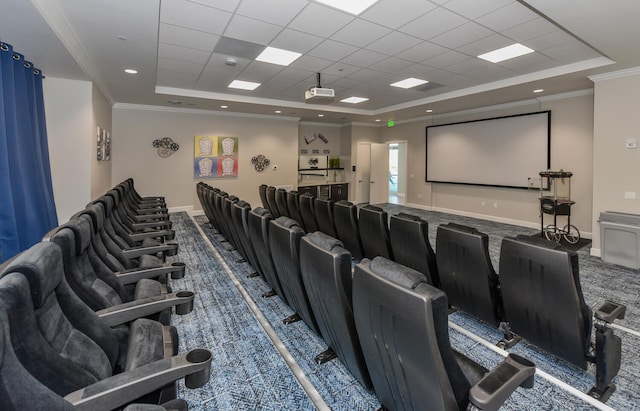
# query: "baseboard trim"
[[186, 209], [596, 252]]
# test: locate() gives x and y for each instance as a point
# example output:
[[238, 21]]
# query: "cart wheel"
[[571, 234], [552, 233]]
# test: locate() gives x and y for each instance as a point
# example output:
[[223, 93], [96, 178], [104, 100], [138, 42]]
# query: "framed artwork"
[[215, 157], [103, 145]]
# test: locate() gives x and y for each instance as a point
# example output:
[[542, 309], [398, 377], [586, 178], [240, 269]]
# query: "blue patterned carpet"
[[248, 372]]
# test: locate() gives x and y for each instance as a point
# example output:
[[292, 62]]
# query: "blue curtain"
[[27, 208]]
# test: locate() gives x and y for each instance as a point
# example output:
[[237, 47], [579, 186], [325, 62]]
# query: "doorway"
[[372, 173], [397, 172]]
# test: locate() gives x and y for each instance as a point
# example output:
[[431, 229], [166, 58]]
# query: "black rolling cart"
[[555, 200]]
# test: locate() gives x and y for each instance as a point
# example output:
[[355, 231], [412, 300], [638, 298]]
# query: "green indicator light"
[[390, 123]]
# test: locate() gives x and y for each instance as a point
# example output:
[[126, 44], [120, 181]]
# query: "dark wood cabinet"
[[335, 192], [339, 192]]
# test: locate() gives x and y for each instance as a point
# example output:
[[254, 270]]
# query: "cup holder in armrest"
[[610, 311], [179, 271], [198, 378], [172, 251], [187, 306], [495, 387], [170, 236]]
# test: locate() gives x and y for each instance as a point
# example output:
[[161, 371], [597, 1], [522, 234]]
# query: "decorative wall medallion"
[[166, 146], [260, 162]]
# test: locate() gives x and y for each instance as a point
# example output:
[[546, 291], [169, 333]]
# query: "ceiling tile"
[[416, 70], [461, 35], [445, 59], [548, 40], [340, 69], [310, 63], [433, 23], [179, 66], [422, 52], [468, 66], [570, 52], [289, 76], [360, 33], [238, 48], [332, 50], [218, 62], [320, 20], [391, 65], [473, 9], [387, 12], [346, 83], [366, 75], [364, 58], [279, 12], [531, 29], [174, 79], [171, 52], [508, 16], [393, 43], [184, 37], [295, 40], [528, 63], [251, 30], [194, 16], [216, 80], [259, 72], [228, 5]]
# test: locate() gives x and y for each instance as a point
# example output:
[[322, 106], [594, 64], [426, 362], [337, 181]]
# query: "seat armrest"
[[120, 389], [495, 387], [146, 217], [124, 313], [610, 311], [132, 276], [167, 234], [168, 249], [149, 210], [162, 225]]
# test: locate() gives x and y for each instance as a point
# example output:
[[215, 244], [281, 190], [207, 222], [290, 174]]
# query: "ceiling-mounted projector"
[[319, 95]]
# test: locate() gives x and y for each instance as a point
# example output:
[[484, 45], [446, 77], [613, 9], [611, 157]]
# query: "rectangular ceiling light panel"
[[408, 83], [350, 6], [354, 100], [244, 85], [506, 53], [278, 56]]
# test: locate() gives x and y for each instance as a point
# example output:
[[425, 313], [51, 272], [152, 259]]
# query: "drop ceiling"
[[188, 51]]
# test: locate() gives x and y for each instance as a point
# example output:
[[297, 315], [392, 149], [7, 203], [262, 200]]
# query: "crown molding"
[[182, 110], [633, 71], [569, 94], [313, 123]]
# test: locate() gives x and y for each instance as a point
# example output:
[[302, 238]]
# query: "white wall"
[[571, 150], [69, 113], [135, 128], [100, 170], [615, 168]]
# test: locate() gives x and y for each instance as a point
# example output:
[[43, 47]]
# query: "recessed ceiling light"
[[320, 115], [131, 71], [277, 56], [506, 53], [244, 85], [539, 90], [408, 83], [278, 111], [378, 120], [429, 111], [224, 106], [350, 6], [354, 100]]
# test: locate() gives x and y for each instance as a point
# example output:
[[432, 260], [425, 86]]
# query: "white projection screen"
[[499, 152]]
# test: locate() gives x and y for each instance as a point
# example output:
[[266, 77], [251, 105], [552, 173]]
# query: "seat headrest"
[[262, 212], [541, 242], [107, 203], [81, 227], [243, 204], [42, 267], [343, 203], [408, 217], [396, 273], [461, 228], [96, 214], [373, 209], [323, 241], [287, 222]]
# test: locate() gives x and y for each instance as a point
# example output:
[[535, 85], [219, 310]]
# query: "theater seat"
[[345, 218], [326, 271], [307, 211], [67, 346], [281, 202], [552, 313], [323, 208], [240, 214], [403, 330], [374, 232], [293, 205], [259, 220], [271, 201], [411, 247], [466, 272], [284, 235], [262, 191]]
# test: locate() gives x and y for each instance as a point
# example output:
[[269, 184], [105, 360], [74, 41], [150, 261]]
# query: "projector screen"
[[500, 152]]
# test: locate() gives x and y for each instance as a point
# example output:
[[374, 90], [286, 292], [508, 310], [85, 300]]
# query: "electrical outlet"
[[629, 195], [420, 195], [495, 204], [484, 203]]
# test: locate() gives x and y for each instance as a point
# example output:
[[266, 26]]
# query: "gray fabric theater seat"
[[307, 211], [259, 219], [326, 271], [271, 201], [281, 202], [323, 210], [409, 237], [293, 205], [403, 330], [345, 218], [374, 232], [466, 273]]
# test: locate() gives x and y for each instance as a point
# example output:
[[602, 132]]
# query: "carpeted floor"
[[249, 373]]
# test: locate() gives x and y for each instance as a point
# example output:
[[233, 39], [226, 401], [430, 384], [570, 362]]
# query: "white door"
[[363, 172], [379, 192]]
